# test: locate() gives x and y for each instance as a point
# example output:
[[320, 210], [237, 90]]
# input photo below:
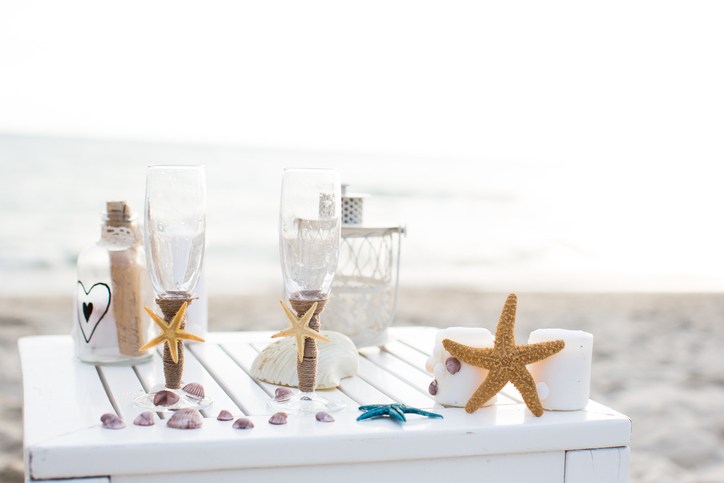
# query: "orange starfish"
[[299, 328], [170, 333], [505, 361]]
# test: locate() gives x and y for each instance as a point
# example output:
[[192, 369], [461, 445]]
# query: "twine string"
[[173, 371], [307, 368]]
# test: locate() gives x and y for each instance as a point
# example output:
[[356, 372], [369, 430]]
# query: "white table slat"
[[363, 393], [124, 386], [240, 387], [409, 375], [406, 353], [55, 384], [392, 386], [422, 339], [194, 371]]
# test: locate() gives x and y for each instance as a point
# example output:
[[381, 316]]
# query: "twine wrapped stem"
[[173, 371], [307, 368]]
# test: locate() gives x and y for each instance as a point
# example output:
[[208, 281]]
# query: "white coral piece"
[[336, 359]]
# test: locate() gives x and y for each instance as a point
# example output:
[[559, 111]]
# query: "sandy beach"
[[657, 358]]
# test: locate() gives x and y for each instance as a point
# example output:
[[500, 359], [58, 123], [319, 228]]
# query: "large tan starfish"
[[505, 361], [170, 333], [299, 328]]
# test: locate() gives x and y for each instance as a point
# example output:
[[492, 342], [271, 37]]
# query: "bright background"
[[527, 145]]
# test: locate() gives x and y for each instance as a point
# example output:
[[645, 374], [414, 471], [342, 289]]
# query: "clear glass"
[[309, 236], [309, 231], [110, 324], [175, 236], [175, 224]]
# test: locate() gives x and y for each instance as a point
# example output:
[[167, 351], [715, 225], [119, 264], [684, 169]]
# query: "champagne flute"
[[175, 234], [309, 235]]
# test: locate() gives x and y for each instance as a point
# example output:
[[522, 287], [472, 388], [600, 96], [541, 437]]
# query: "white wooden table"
[[65, 398]]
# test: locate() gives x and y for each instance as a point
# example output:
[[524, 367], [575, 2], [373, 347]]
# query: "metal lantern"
[[365, 289]]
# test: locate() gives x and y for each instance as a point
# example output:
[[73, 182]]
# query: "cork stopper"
[[118, 213]]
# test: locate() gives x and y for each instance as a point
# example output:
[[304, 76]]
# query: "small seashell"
[[324, 417], [165, 398], [452, 365], [242, 423], [111, 421], [195, 389], [432, 389], [282, 393], [225, 415], [278, 418], [337, 359], [144, 419], [186, 418]]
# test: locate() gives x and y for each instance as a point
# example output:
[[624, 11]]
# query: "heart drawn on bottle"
[[93, 305]]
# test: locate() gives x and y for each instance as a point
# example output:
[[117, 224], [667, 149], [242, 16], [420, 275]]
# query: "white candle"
[[563, 380], [456, 381]]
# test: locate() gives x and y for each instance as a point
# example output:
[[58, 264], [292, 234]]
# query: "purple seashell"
[[195, 389], [432, 389], [111, 421], [452, 364], [144, 419], [225, 415], [242, 423], [186, 418], [282, 393], [165, 398], [278, 418], [324, 417]]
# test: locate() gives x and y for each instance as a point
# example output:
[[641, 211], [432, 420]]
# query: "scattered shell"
[[242, 423], [432, 389], [165, 398], [324, 417], [111, 421], [186, 418], [225, 415], [452, 365], [337, 359], [195, 389], [144, 419], [282, 393], [278, 418]]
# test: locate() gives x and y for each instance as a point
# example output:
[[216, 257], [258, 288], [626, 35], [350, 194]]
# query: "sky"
[[605, 82], [623, 99]]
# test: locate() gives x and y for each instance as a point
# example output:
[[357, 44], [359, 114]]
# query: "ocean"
[[481, 224]]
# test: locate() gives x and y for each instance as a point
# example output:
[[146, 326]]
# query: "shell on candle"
[[456, 381], [337, 359], [563, 379]]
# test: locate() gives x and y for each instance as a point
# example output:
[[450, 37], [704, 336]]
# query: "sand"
[[657, 358]]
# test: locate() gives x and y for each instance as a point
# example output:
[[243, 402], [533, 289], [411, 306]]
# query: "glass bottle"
[[110, 323]]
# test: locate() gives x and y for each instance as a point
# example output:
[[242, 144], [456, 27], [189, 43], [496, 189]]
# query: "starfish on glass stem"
[[299, 328], [170, 333]]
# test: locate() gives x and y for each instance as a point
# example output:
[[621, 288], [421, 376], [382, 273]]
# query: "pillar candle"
[[563, 380], [456, 381]]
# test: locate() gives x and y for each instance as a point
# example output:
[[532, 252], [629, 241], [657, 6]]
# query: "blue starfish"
[[396, 411]]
